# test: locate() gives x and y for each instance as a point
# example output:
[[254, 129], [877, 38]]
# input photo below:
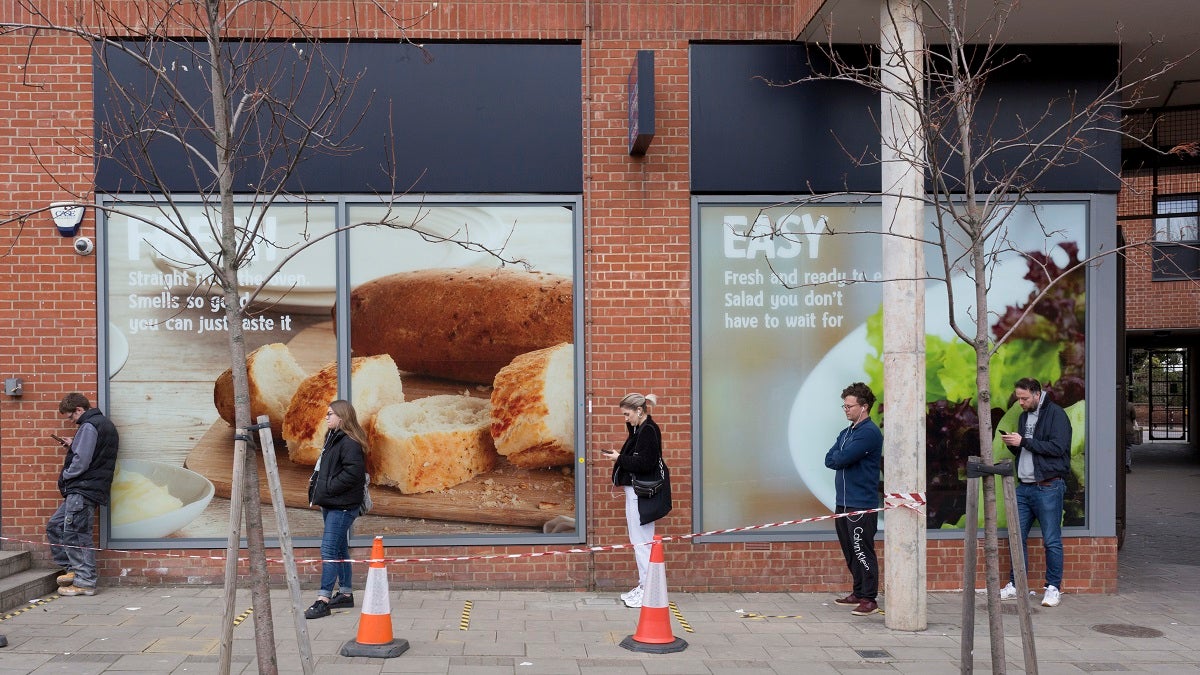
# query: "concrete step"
[[12, 562], [18, 588]]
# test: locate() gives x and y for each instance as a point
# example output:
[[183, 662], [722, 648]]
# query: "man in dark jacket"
[[1042, 444], [84, 483], [857, 457]]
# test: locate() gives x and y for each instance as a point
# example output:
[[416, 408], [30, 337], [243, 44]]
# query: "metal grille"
[[1127, 630], [1160, 154]]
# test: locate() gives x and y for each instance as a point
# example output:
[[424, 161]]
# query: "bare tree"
[[243, 110], [983, 167]]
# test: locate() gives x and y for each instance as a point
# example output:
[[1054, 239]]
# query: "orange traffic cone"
[[654, 625], [375, 624]]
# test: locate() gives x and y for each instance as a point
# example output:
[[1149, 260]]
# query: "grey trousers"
[[70, 535]]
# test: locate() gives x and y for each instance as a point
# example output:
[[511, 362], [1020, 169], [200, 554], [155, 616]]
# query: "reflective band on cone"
[[375, 624], [654, 624]]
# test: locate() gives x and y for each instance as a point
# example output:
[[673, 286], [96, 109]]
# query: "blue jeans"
[[1044, 504], [71, 527], [335, 545]]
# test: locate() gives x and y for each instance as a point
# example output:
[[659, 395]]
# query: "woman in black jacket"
[[640, 456], [337, 487]]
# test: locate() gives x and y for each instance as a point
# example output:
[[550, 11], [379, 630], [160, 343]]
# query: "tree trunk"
[[983, 407], [260, 586], [264, 638]]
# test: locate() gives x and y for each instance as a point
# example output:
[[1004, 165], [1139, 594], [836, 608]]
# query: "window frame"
[[1174, 257]]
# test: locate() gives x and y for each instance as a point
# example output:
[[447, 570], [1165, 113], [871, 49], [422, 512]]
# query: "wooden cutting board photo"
[[507, 495]]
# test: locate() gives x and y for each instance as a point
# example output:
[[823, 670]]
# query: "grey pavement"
[[1151, 625]]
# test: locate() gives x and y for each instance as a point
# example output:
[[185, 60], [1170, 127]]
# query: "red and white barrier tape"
[[892, 500]]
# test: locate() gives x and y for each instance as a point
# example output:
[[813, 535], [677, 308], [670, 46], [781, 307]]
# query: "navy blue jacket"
[[857, 457], [1051, 442]]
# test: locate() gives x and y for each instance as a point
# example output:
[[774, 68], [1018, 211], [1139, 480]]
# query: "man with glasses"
[[84, 483], [1042, 444], [857, 459]]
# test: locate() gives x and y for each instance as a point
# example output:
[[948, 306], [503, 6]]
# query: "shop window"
[[1176, 247], [483, 260]]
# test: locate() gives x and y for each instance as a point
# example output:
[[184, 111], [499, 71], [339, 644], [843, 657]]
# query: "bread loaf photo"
[[374, 381], [274, 377], [533, 421], [460, 324], [430, 444]]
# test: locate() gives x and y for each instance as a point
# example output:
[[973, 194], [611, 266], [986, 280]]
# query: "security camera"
[[84, 246]]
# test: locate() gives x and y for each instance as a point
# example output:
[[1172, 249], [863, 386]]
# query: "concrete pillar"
[[902, 48]]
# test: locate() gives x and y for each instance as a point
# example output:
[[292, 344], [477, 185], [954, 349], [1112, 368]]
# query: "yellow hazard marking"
[[30, 605], [679, 617], [465, 622], [753, 615], [243, 616]]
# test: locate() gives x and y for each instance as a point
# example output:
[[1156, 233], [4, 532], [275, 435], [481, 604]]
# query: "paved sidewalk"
[[1152, 625], [176, 630]]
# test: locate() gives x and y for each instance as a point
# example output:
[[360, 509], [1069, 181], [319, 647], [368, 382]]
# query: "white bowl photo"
[[151, 500]]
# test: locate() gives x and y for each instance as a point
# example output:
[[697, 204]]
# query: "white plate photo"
[[816, 419], [192, 489]]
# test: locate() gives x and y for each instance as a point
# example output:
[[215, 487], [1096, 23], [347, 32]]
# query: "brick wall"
[[637, 274], [47, 293], [1154, 304]]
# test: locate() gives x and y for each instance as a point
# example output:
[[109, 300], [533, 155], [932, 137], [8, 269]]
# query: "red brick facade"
[[636, 244], [1154, 304]]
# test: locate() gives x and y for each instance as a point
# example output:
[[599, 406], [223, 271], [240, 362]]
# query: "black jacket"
[[640, 453], [1051, 442], [93, 475], [338, 483]]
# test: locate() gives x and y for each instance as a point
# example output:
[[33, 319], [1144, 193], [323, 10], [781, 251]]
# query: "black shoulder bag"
[[645, 489], [654, 495]]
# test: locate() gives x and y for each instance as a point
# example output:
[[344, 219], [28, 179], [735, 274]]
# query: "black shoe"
[[341, 599], [318, 610]]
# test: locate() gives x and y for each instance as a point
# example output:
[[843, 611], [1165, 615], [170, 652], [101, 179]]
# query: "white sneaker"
[[635, 598], [1051, 598], [1009, 592], [630, 593]]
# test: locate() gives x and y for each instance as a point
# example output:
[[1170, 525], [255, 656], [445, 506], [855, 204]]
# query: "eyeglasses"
[[848, 407]]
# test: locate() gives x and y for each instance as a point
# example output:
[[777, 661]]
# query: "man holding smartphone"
[[84, 483], [1042, 444]]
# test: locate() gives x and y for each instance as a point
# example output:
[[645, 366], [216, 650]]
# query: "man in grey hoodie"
[[85, 483]]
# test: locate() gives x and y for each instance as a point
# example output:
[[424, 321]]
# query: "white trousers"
[[638, 534]]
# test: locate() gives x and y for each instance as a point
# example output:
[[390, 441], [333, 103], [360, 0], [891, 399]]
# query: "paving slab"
[[1151, 622]]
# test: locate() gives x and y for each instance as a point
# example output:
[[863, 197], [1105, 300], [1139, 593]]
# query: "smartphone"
[[1002, 432], [60, 439]]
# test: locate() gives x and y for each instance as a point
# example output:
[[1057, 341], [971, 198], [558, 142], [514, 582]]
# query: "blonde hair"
[[635, 401]]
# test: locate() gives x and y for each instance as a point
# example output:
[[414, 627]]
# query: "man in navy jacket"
[[1042, 444], [857, 458]]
